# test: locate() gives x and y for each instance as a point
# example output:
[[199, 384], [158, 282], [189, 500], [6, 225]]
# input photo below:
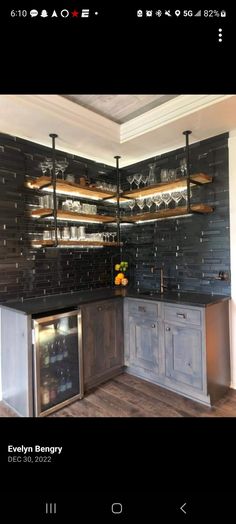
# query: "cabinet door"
[[143, 343], [183, 354], [102, 327]]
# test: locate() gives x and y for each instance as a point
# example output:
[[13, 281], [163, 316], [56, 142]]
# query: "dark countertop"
[[73, 300], [60, 302]]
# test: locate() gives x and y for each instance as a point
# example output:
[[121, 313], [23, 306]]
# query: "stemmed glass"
[[131, 205], [140, 203], [183, 166], [130, 179], [177, 196], [157, 199], [137, 179], [144, 179], [113, 235], [166, 197], [149, 202]]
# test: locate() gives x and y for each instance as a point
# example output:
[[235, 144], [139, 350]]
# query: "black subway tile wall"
[[26, 271], [192, 250]]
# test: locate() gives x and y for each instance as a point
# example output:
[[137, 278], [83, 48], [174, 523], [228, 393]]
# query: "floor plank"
[[129, 396]]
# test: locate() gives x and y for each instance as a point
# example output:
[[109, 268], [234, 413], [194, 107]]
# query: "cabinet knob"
[[167, 328], [153, 325], [99, 308]]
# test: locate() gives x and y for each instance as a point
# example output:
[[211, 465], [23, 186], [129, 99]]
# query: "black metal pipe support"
[[187, 133], [118, 198], [53, 136]]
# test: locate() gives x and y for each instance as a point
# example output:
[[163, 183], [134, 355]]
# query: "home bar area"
[[115, 279]]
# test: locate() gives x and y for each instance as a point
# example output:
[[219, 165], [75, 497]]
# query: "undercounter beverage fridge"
[[58, 378]]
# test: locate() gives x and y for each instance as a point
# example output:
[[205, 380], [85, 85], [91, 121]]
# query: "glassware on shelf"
[[183, 167], [67, 205], [74, 233], [185, 194], [172, 174], [131, 204], [166, 197], [76, 206], [149, 203], [130, 179], [81, 233], [140, 203], [113, 235], [58, 234], [66, 233], [47, 234], [152, 174], [164, 175], [157, 199], [137, 179], [144, 180], [177, 196]]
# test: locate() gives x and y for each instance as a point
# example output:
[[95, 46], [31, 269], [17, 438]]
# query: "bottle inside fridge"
[[57, 361]]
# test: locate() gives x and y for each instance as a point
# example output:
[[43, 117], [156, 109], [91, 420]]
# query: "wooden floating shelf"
[[167, 213], [202, 178], [71, 215], [50, 243], [69, 188]]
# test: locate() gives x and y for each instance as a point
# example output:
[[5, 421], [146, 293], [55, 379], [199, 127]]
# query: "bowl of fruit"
[[121, 273]]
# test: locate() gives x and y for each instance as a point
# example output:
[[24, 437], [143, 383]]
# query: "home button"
[[116, 508]]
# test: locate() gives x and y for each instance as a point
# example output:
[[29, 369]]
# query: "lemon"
[[117, 267]]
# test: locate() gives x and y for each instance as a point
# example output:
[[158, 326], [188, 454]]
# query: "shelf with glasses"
[[71, 216], [169, 213], [82, 243], [64, 187], [161, 187]]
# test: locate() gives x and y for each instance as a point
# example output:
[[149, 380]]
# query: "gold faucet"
[[162, 285]]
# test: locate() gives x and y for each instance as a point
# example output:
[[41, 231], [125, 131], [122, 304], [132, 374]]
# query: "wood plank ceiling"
[[120, 108]]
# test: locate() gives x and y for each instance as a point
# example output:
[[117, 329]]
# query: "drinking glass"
[[137, 180], [131, 205], [183, 166], [157, 199], [140, 203], [113, 235], [152, 174], [130, 179], [177, 196], [149, 202], [172, 174], [164, 175], [144, 179], [185, 194], [166, 197]]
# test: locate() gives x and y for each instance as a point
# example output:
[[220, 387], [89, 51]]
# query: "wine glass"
[[149, 202], [137, 180], [131, 205], [140, 203], [113, 235], [183, 166], [152, 174], [130, 179], [185, 194], [157, 199], [177, 196], [166, 197], [144, 180]]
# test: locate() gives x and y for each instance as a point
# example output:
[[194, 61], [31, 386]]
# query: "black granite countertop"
[[66, 301]]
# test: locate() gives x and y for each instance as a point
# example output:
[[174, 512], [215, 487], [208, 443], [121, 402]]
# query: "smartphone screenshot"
[[117, 246]]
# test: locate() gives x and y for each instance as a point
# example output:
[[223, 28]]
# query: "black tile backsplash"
[[192, 250]]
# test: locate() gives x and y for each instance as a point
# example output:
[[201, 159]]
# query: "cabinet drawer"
[[183, 315], [141, 307]]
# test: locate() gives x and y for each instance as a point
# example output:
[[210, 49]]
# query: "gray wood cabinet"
[[102, 335], [187, 351]]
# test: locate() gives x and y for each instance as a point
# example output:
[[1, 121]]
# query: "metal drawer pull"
[[167, 328], [153, 325], [181, 315], [142, 308]]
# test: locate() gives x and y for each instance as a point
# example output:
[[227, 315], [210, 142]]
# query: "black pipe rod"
[[187, 133], [118, 198], [53, 136]]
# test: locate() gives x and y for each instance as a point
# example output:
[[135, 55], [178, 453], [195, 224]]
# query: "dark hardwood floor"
[[128, 396]]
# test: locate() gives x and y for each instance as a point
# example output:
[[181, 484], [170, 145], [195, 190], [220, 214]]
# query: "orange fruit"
[[120, 275]]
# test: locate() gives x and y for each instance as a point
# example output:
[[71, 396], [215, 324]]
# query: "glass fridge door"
[[57, 361]]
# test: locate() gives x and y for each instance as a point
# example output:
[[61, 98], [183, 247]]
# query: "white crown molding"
[[74, 114], [167, 113]]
